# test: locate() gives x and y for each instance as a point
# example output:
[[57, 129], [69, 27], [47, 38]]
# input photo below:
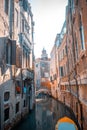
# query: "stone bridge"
[[43, 90]]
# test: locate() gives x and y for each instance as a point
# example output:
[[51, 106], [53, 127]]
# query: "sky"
[[49, 16]]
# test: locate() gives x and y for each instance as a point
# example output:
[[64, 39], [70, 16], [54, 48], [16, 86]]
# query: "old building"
[[58, 64], [62, 55], [16, 61], [54, 71], [42, 71], [72, 61], [77, 62]]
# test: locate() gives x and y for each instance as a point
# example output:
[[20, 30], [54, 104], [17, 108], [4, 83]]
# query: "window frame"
[[6, 6], [6, 115]]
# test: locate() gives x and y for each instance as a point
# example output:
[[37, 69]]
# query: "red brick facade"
[[76, 25]]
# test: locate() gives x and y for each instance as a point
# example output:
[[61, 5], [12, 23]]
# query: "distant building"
[[63, 66], [53, 71], [42, 71]]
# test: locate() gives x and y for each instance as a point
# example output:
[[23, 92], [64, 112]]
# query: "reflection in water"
[[46, 114]]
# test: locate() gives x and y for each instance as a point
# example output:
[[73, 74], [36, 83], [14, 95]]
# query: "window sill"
[[6, 122], [6, 102]]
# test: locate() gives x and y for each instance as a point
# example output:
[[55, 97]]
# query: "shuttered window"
[[8, 52], [6, 6], [6, 96], [6, 114], [11, 52], [61, 71], [82, 34], [19, 57], [17, 107]]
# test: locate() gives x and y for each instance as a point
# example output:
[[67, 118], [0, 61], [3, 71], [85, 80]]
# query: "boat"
[[65, 123]]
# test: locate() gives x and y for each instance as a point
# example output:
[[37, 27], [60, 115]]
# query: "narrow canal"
[[45, 115]]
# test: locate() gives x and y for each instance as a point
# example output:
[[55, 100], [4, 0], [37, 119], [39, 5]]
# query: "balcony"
[[23, 38], [27, 74]]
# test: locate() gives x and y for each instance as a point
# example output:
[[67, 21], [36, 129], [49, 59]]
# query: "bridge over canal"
[[43, 90]]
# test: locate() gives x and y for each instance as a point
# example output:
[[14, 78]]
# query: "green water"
[[45, 115]]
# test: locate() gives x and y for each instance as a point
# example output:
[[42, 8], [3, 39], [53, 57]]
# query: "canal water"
[[45, 115]]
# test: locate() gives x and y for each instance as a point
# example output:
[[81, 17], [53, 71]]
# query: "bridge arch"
[[43, 90]]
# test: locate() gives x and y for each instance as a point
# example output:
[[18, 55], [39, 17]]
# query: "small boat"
[[66, 123]]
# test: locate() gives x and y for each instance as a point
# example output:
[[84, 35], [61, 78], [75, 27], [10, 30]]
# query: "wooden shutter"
[[2, 53], [19, 57], [1, 50], [13, 52]]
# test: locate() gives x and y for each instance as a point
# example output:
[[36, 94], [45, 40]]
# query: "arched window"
[[6, 96]]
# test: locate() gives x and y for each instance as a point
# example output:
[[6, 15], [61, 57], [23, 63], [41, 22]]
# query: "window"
[[16, 11], [18, 87], [24, 104], [6, 96], [50, 78], [65, 49], [25, 57], [17, 107], [25, 5], [22, 25], [63, 53], [7, 6], [8, 53], [55, 76], [26, 27], [76, 2], [42, 64], [82, 35], [73, 6], [76, 50], [66, 68], [61, 71], [36, 65], [6, 114]]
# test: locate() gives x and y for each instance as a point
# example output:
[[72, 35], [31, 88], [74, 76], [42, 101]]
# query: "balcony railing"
[[24, 38], [27, 74]]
